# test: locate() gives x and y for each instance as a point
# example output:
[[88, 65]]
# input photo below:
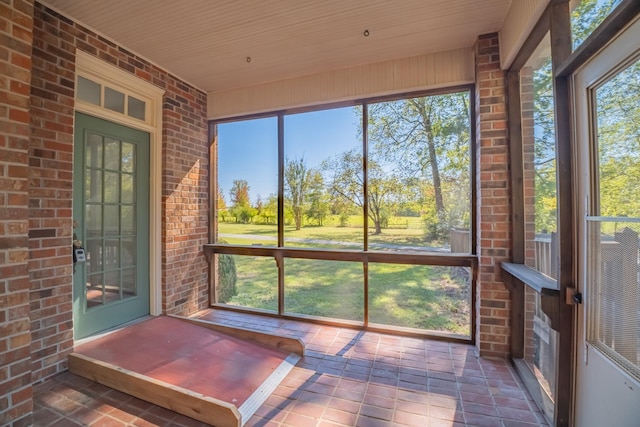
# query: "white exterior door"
[[607, 117]]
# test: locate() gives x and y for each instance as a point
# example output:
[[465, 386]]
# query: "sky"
[[249, 149]]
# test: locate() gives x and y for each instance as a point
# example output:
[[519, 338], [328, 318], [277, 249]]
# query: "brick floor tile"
[[446, 413], [517, 414], [412, 407], [298, 420], [410, 419], [341, 417], [308, 409], [476, 398], [477, 408], [107, 421], [380, 401], [344, 405], [45, 417], [477, 420]]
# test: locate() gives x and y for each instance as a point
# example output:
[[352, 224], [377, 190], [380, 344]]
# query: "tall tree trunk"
[[425, 114]]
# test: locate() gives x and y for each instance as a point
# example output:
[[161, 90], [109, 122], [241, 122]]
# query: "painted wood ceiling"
[[208, 42]]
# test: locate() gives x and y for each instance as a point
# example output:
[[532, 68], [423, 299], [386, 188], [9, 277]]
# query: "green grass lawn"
[[426, 297], [267, 235]]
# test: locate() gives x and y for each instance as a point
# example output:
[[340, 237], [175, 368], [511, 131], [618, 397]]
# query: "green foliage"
[[243, 214], [227, 278], [425, 143], [587, 16], [240, 193]]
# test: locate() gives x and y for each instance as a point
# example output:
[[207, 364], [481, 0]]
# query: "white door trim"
[[104, 73]]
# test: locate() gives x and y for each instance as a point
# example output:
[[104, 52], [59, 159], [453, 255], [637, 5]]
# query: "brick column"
[[493, 200], [16, 30]]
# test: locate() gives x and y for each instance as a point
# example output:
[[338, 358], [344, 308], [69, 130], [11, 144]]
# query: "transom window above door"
[[111, 99]]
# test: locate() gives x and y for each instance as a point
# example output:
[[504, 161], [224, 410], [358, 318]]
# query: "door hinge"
[[573, 297]]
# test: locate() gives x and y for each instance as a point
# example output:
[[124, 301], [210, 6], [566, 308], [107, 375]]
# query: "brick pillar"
[[50, 196], [16, 30], [493, 200]]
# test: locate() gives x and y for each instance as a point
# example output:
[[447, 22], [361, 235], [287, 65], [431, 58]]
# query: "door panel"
[[607, 97], [110, 211]]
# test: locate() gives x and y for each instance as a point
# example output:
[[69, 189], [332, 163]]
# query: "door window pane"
[[323, 191], [613, 254], [247, 205]]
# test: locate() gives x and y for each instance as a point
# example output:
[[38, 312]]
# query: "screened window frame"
[[365, 256]]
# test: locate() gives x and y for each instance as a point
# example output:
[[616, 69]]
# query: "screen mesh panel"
[[613, 290]]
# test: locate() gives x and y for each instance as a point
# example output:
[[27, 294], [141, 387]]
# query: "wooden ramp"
[[213, 373]]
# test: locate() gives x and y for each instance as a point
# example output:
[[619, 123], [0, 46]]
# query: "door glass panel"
[[109, 217], [128, 157], [612, 250], [128, 282], [111, 220], [127, 192], [128, 253], [94, 290], [93, 188], [111, 154], [127, 220], [93, 152]]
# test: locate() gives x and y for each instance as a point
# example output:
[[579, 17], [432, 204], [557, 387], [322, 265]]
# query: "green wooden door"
[[111, 219]]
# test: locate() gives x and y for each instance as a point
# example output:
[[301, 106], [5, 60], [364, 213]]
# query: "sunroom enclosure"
[[366, 209]]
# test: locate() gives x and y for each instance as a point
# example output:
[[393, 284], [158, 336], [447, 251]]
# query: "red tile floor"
[[347, 378]]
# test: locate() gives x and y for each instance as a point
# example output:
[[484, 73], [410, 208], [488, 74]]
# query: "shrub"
[[227, 277]]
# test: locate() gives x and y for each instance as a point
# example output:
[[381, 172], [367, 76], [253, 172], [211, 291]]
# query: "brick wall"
[[16, 27], [185, 195], [184, 183], [493, 200]]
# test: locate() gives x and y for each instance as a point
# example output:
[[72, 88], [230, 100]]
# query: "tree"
[[297, 179], [426, 137], [242, 209], [317, 197], [221, 205], [346, 186], [240, 193]]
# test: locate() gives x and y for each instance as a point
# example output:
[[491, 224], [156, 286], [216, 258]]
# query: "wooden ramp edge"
[[291, 345], [195, 405]]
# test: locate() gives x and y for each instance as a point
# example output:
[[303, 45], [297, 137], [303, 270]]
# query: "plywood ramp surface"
[[199, 372]]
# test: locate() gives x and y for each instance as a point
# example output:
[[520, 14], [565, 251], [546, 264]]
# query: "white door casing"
[[107, 75]]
